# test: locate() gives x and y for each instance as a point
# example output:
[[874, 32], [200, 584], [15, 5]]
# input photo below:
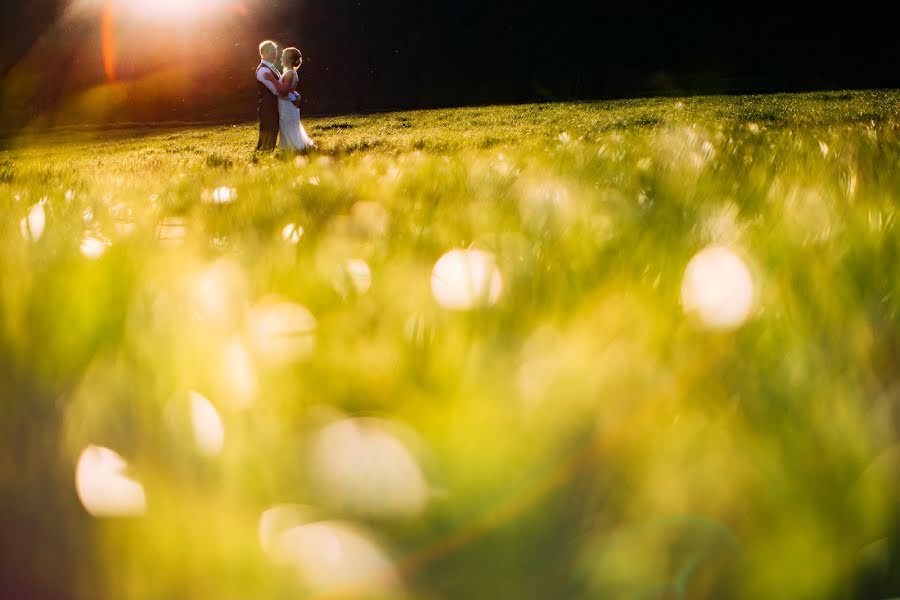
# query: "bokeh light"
[[209, 432], [278, 520], [94, 246], [360, 466], [103, 487], [292, 233], [239, 374], [546, 204], [123, 215], [466, 279], [219, 294], [336, 559], [370, 219], [282, 332], [718, 288], [32, 226], [220, 195], [172, 231], [354, 275]]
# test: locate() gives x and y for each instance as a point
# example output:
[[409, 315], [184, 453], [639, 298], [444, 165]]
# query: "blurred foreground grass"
[[458, 354]]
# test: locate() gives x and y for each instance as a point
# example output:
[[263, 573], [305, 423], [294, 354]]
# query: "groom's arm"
[[265, 77], [278, 88], [261, 74]]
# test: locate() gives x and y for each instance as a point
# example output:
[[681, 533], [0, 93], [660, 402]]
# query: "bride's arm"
[[288, 80], [293, 95]]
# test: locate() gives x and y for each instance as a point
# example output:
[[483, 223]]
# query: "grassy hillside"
[[615, 350]]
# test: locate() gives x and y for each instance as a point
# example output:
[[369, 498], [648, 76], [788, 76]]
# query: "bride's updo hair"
[[291, 57]]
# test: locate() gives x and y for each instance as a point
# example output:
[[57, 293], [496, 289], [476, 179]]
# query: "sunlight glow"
[[718, 288], [168, 11], [466, 279], [209, 432], [102, 487]]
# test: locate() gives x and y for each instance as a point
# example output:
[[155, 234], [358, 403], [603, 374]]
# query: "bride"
[[293, 135]]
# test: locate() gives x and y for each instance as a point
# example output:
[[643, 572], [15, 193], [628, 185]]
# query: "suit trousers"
[[268, 130]]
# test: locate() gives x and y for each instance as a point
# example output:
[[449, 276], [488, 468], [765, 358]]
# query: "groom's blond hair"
[[267, 45]]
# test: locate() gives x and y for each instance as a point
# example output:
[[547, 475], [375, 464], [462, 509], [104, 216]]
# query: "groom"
[[268, 97]]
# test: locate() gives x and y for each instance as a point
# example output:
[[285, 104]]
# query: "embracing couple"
[[279, 102]]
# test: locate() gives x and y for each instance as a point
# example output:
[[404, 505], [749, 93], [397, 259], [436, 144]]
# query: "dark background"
[[369, 55]]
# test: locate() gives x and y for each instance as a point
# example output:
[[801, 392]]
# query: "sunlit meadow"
[[630, 349]]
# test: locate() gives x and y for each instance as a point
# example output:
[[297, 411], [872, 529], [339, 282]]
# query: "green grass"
[[584, 436]]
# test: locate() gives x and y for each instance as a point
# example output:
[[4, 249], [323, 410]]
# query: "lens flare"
[[178, 13], [108, 40]]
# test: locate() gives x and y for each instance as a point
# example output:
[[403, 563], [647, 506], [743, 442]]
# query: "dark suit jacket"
[[268, 102]]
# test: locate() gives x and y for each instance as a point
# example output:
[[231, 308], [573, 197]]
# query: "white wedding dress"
[[293, 135]]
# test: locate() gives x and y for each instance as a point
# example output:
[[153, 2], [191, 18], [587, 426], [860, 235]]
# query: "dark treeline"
[[363, 55], [370, 55]]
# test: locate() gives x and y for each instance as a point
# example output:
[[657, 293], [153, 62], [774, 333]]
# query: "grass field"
[[631, 349]]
